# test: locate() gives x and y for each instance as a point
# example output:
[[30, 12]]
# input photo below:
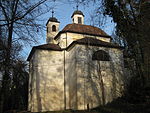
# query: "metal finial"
[[52, 12], [77, 7]]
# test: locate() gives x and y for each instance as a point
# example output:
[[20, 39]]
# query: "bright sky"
[[63, 12]]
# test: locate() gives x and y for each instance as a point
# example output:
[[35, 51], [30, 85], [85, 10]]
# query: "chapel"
[[78, 68]]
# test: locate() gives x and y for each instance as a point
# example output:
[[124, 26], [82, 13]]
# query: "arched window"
[[79, 20], [53, 28], [101, 56], [73, 20]]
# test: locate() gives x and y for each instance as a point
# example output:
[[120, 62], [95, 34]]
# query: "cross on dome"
[[77, 16], [52, 13], [77, 7]]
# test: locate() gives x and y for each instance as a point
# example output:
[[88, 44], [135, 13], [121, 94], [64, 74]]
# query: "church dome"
[[85, 29], [77, 12], [52, 19]]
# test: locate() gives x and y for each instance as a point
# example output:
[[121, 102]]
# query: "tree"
[[18, 21], [132, 27], [132, 24], [17, 95], [18, 83]]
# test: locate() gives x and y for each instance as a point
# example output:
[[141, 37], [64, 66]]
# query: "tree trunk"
[[6, 77]]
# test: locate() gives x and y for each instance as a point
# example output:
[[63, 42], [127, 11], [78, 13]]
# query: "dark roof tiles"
[[83, 29], [53, 47], [48, 46], [84, 41], [52, 19], [77, 12], [95, 42]]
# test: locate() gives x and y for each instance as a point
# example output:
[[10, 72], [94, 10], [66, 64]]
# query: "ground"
[[117, 106]]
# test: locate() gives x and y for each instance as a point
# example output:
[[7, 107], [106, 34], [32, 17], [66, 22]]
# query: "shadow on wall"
[[71, 80], [89, 83], [95, 82], [46, 86]]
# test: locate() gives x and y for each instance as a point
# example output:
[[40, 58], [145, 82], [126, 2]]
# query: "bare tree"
[[19, 22]]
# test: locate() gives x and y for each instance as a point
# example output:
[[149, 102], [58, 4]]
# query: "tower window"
[[79, 20], [53, 28], [47, 30], [101, 56], [73, 20]]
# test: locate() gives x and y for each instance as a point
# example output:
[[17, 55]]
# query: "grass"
[[121, 106], [117, 106]]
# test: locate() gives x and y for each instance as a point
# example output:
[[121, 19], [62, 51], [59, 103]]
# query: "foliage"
[[18, 80], [17, 94], [132, 24], [131, 18], [18, 24]]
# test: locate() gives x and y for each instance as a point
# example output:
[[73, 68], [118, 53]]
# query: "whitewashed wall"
[[84, 79], [46, 91], [65, 39], [50, 34], [85, 82]]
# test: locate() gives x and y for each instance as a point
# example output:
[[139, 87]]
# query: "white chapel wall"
[[65, 39], [75, 19], [71, 79], [51, 34], [46, 81], [88, 85], [82, 78]]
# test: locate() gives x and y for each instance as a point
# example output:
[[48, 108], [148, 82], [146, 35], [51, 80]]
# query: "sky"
[[63, 12]]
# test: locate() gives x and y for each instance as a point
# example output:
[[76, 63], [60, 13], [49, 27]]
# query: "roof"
[[83, 29], [77, 12], [49, 47], [84, 41], [53, 47], [95, 42], [52, 19]]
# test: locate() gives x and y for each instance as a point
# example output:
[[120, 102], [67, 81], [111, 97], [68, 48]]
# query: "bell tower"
[[52, 29], [77, 17]]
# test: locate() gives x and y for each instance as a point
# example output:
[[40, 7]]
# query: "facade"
[[79, 68]]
